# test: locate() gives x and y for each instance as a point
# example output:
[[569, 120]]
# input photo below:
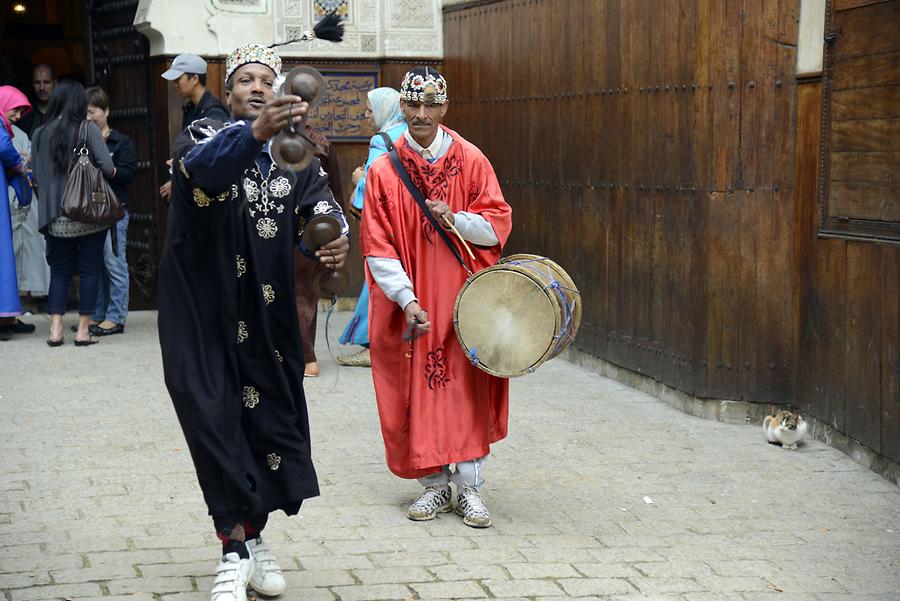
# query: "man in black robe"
[[228, 329]]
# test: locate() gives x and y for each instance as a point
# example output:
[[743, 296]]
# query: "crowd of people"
[[41, 249], [236, 309]]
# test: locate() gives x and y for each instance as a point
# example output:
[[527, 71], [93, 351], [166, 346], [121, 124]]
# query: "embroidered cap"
[[424, 84], [252, 53]]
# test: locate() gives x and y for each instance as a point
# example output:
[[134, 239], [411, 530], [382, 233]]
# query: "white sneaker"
[[267, 578], [471, 507], [232, 576], [431, 502]]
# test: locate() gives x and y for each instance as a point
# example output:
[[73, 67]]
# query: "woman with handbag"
[[383, 110], [71, 244]]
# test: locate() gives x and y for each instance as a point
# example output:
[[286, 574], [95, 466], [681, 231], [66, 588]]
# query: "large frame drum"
[[516, 315]]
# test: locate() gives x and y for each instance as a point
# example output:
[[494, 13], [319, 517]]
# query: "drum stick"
[[458, 235]]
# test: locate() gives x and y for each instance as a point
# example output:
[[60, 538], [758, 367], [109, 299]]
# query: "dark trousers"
[[65, 255]]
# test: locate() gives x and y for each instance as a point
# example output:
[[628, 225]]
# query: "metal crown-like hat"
[[252, 53], [424, 84]]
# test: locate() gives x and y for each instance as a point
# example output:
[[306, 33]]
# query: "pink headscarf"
[[11, 98]]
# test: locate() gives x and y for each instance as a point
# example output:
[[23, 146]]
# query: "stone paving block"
[[556, 555], [468, 572], [94, 574], [407, 558], [21, 550], [734, 583], [55, 591], [666, 585], [522, 571], [627, 553], [523, 587], [476, 556], [24, 580], [173, 569], [151, 585], [361, 547], [132, 557], [372, 592], [606, 570], [393, 575], [437, 544], [336, 562], [197, 596], [304, 579], [450, 590], [40, 562], [672, 569], [583, 587]]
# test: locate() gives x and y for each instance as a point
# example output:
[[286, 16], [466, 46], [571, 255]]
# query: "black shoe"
[[86, 342], [96, 330], [20, 327], [55, 342]]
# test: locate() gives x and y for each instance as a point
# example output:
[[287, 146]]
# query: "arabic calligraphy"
[[342, 113]]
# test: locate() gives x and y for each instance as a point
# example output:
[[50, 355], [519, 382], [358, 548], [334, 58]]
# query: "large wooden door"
[[121, 65]]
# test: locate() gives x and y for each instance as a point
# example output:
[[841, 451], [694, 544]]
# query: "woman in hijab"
[[13, 105], [71, 245], [383, 110]]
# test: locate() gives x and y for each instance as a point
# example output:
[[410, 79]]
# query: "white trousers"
[[467, 473]]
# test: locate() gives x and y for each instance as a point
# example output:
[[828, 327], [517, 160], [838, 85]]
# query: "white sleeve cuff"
[[475, 229], [392, 279]]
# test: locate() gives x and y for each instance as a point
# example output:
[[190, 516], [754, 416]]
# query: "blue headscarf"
[[386, 108]]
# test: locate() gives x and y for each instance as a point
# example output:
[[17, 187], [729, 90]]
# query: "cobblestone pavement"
[[600, 492]]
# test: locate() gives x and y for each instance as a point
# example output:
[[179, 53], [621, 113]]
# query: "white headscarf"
[[385, 108]]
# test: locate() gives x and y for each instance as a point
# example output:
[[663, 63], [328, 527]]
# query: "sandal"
[[360, 359]]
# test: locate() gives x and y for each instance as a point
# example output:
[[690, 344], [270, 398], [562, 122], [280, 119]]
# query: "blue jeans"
[[65, 255], [114, 279]]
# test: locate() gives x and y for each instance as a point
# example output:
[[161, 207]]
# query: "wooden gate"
[[121, 65]]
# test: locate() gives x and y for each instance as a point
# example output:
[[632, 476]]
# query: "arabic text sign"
[[342, 114]]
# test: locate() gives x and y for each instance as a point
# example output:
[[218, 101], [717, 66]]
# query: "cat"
[[784, 428]]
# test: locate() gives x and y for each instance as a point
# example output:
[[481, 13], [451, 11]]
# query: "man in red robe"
[[439, 414]]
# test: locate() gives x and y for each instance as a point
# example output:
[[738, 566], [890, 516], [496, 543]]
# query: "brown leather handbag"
[[88, 197]]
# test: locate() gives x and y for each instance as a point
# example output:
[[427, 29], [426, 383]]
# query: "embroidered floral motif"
[[278, 356], [258, 200], [251, 397], [242, 331], [268, 294], [241, 266], [201, 198], [322, 207], [436, 369], [280, 187], [266, 227], [251, 189], [274, 461]]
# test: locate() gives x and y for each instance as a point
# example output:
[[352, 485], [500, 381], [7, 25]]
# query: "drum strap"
[[420, 200], [387, 140]]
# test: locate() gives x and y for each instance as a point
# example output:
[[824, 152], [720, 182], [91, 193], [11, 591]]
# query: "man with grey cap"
[[188, 73]]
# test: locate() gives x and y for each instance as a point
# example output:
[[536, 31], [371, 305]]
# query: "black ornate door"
[[120, 58]]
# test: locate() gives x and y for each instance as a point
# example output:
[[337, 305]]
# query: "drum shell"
[[526, 305]]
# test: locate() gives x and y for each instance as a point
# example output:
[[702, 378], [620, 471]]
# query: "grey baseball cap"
[[185, 63]]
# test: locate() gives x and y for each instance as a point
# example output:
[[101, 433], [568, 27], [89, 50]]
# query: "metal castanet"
[[290, 148], [319, 231], [513, 317]]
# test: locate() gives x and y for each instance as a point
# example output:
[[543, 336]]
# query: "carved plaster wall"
[[375, 29]]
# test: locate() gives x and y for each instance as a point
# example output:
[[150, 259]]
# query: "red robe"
[[435, 407]]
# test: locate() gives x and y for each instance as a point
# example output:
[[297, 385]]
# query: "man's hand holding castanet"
[[333, 254], [276, 115]]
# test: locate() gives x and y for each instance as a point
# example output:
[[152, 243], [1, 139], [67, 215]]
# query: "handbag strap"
[[80, 145], [420, 200]]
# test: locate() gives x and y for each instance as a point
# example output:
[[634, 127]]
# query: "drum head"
[[506, 318]]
